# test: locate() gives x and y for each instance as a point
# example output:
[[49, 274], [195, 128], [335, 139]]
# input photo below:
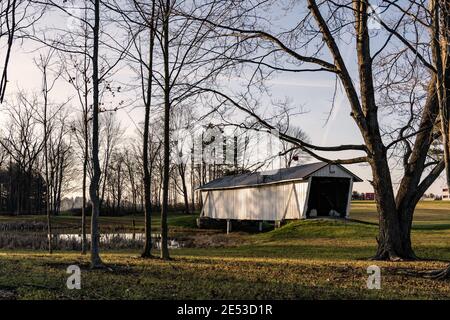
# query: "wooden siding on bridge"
[[270, 202]]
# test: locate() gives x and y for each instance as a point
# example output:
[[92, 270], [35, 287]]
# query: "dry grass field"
[[316, 259]]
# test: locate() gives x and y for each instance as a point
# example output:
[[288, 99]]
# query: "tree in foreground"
[[315, 44], [439, 12], [96, 261], [147, 99]]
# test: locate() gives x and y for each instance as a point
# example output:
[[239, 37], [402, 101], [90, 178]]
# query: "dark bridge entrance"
[[327, 194]]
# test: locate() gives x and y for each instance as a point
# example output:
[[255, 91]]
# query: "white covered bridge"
[[311, 190]]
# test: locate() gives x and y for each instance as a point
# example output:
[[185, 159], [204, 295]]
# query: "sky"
[[310, 92]]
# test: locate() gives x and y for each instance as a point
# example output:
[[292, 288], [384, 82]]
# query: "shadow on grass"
[[283, 251], [431, 227]]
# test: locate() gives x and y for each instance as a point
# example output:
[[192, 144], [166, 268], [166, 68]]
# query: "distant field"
[[314, 259], [427, 212]]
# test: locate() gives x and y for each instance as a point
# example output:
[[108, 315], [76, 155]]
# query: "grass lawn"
[[313, 259], [427, 212]]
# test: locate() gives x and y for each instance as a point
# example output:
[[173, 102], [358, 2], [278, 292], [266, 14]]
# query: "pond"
[[108, 238], [68, 241]]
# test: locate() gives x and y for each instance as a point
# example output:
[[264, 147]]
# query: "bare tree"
[[439, 27], [47, 121], [325, 24], [147, 98], [133, 170], [7, 21], [102, 68], [165, 38], [76, 71], [290, 153], [140, 18], [96, 261], [111, 133], [60, 159], [188, 61], [81, 133], [24, 144], [16, 18], [117, 181]]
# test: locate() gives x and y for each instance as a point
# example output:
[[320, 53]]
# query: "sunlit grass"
[[427, 212], [29, 275], [314, 259]]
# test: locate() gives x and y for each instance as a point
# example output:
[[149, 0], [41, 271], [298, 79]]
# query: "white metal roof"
[[301, 172]]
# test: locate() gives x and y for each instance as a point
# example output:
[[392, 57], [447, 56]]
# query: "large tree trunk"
[[96, 261], [412, 187], [147, 193], [441, 55], [147, 177], [390, 245], [166, 153], [389, 236]]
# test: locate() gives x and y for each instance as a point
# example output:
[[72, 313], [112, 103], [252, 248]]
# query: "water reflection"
[[108, 238]]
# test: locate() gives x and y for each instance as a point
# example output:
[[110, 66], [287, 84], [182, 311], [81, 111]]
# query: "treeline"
[[190, 64], [24, 188], [66, 133], [21, 192]]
